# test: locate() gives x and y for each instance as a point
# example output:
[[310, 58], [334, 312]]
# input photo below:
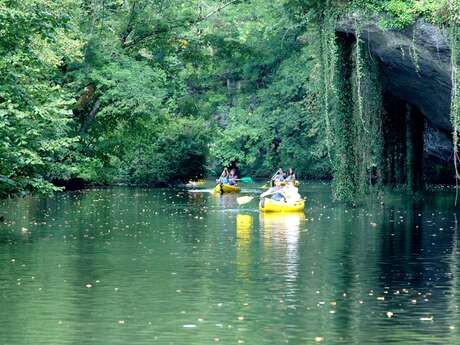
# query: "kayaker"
[[276, 191], [290, 176], [223, 179], [232, 177], [291, 192], [279, 175]]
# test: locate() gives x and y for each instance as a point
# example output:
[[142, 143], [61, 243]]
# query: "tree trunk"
[[90, 118]]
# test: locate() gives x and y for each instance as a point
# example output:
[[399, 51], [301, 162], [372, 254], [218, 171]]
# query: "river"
[[158, 266]]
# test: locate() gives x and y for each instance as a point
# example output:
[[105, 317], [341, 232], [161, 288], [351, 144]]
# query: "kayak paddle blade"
[[244, 200], [246, 179]]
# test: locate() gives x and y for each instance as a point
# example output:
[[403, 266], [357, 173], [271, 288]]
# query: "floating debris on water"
[[426, 318]]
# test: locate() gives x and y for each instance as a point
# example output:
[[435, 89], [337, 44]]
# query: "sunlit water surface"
[[159, 266]]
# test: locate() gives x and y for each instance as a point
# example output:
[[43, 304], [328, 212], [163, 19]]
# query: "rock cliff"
[[415, 65]]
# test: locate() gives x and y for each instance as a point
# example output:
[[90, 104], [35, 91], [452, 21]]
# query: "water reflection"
[[159, 260], [418, 269], [244, 224], [281, 232], [225, 201]]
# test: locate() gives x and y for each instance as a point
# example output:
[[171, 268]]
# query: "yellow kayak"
[[226, 188], [270, 205]]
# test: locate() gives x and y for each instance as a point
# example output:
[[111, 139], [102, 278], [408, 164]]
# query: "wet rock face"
[[416, 68], [437, 144]]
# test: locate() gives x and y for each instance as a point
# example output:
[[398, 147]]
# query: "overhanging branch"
[[155, 32]]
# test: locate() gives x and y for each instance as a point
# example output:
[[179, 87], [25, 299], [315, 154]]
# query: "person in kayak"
[[290, 176], [232, 177], [223, 179], [279, 175], [291, 192], [276, 191]]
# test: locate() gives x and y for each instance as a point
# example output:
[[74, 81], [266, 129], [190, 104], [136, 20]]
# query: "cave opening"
[[403, 127], [414, 151]]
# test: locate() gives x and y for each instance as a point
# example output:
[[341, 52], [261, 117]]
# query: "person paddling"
[[290, 176], [291, 192], [276, 191], [279, 175], [232, 177], [223, 179]]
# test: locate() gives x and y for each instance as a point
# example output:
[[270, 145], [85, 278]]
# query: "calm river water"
[[156, 266]]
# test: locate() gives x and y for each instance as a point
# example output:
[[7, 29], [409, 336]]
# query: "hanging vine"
[[413, 52], [368, 112], [337, 116], [328, 52], [454, 36], [359, 72], [351, 106], [455, 101]]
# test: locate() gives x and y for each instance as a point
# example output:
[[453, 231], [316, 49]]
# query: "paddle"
[[244, 200], [246, 179], [268, 183], [277, 172], [225, 170]]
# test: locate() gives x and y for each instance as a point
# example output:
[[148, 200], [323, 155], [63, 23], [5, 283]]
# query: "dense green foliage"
[[37, 40], [152, 91]]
